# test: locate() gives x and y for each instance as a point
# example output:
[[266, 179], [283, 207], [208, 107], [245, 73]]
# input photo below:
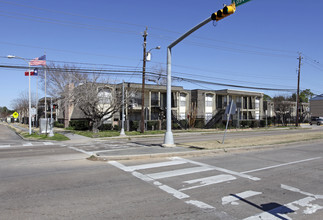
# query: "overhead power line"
[[132, 72]]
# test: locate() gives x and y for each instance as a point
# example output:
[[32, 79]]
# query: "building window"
[[238, 102], [245, 102], [182, 100], [154, 98], [209, 100], [104, 96], [219, 101], [135, 99]]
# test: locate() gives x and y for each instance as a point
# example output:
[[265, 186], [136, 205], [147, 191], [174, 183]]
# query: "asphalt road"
[[55, 182], [8, 136]]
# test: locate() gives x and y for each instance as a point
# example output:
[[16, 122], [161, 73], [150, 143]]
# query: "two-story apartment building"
[[249, 105], [207, 103], [155, 101]]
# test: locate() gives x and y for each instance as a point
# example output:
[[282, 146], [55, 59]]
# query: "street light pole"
[[29, 95], [122, 133]]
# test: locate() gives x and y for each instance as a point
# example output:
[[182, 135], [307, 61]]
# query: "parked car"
[[316, 120]]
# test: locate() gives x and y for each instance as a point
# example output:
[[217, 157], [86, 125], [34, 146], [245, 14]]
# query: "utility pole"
[[142, 121], [298, 79]]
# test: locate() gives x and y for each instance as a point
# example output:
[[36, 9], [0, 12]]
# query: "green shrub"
[[245, 124], [134, 125], [116, 127], [80, 125], [176, 126], [220, 125], [58, 125], [105, 127], [150, 125], [184, 123], [199, 123], [255, 124]]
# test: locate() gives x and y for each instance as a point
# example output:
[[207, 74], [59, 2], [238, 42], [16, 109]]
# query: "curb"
[[195, 153]]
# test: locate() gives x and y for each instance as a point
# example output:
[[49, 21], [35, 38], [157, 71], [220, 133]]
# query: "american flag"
[[39, 61]]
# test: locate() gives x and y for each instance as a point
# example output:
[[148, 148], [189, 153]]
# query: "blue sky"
[[257, 46]]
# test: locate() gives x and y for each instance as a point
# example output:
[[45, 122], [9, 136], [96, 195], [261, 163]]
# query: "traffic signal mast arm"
[[222, 13]]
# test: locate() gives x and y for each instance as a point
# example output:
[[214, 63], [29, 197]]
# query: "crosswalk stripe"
[[239, 196], [4, 146], [208, 181], [155, 165], [218, 169], [200, 204], [179, 172], [282, 211]]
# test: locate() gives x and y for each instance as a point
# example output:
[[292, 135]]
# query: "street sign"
[[240, 2], [33, 111], [15, 115]]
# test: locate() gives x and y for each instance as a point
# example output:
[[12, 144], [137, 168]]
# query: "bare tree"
[[192, 115], [158, 75], [98, 101], [282, 108], [60, 81], [58, 78], [21, 104]]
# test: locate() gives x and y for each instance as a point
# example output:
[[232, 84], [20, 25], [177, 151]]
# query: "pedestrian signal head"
[[222, 13]]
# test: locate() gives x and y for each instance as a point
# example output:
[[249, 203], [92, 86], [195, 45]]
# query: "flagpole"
[[36, 121], [29, 121], [45, 93]]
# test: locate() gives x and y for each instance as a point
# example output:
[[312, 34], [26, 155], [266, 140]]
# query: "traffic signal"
[[222, 13]]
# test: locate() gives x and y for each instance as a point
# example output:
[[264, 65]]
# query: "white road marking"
[[80, 150], [119, 165], [27, 144], [5, 146], [179, 172], [284, 164], [243, 195], [293, 189], [199, 204], [48, 143], [143, 177], [281, 211], [218, 169], [154, 165], [177, 194], [208, 181]]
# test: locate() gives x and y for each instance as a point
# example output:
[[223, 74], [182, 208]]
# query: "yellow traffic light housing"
[[222, 13]]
